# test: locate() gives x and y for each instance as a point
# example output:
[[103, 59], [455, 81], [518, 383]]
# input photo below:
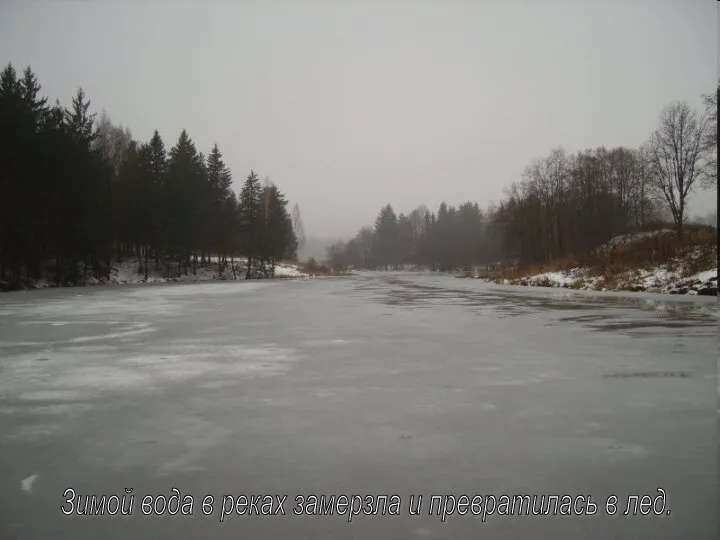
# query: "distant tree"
[[417, 221], [185, 196], [338, 255], [112, 141], [677, 149], [89, 179], [386, 238], [216, 223], [364, 241], [250, 219], [156, 198], [219, 176], [298, 227], [128, 211], [712, 137], [276, 236], [79, 120]]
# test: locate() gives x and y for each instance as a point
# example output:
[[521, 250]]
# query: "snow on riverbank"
[[632, 238], [657, 280], [650, 261], [128, 271], [288, 271]]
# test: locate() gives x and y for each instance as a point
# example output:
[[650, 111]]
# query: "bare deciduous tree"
[[298, 227], [677, 151], [418, 218], [112, 141], [711, 139]]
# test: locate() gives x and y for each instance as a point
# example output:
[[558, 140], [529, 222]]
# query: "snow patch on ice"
[[27, 483], [76, 376], [141, 328]]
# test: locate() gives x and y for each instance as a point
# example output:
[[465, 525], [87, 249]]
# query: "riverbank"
[[655, 262], [658, 280], [130, 271]]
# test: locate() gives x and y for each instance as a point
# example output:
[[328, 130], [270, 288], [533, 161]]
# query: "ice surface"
[[380, 383]]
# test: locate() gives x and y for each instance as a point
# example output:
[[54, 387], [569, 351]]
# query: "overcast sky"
[[350, 105]]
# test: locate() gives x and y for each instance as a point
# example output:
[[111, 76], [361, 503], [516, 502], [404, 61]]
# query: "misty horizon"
[[350, 106]]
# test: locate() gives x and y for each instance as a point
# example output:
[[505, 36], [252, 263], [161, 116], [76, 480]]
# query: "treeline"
[[564, 205], [75, 193], [449, 238]]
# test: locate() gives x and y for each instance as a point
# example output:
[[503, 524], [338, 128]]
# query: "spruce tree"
[[386, 235], [184, 190], [158, 213], [249, 211], [219, 181], [278, 240]]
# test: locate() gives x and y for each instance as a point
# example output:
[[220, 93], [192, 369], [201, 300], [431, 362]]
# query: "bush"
[[314, 268]]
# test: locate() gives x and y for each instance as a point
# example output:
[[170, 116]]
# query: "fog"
[[348, 106]]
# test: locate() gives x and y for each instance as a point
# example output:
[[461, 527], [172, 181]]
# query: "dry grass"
[[578, 284], [697, 251], [314, 268]]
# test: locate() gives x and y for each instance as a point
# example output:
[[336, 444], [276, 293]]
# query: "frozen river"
[[378, 384]]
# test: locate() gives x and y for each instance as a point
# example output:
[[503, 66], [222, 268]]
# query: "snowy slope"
[[630, 238], [678, 276], [657, 280]]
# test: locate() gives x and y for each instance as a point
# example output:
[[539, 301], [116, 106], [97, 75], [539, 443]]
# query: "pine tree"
[[127, 213], [386, 237], [13, 195], [277, 237], [219, 180], [79, 121], [250, 204], [184, 187], [218, 173], [157, 196], [35, 105], [74, 192]]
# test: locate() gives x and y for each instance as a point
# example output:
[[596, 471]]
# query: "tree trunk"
[[146, 264]]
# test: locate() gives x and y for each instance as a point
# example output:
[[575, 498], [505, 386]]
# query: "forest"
[[564, 205], [77, 192]]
